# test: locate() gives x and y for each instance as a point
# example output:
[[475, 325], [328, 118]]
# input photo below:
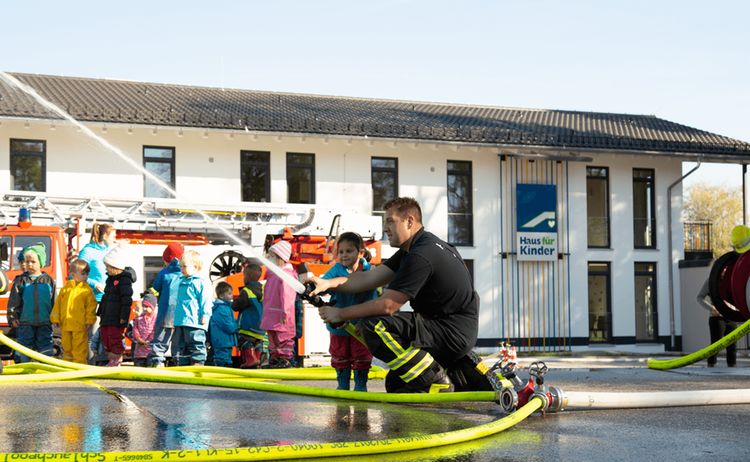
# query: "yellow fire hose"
[[714, 348], [313, 450]]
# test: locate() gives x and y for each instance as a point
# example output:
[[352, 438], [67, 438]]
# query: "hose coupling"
[[557, 400], [509, 372], [507, 398], [545, 400]]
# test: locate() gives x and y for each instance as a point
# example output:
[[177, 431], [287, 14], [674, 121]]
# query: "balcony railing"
[[698, 240]]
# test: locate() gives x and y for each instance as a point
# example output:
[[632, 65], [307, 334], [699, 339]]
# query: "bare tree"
[[721, 205]]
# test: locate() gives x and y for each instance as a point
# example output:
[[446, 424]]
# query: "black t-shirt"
[[434, 276]]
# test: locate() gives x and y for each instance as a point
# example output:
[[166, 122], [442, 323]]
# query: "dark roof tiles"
[[97, 100]]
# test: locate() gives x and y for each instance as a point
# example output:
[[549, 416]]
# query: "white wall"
[[621, 253], [208, 171]]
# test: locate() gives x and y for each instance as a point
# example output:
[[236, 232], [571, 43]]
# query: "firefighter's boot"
[[469, 374], [360, 379], [343, 377], [432, 380]]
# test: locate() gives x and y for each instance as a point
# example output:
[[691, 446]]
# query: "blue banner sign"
[[536, 222]]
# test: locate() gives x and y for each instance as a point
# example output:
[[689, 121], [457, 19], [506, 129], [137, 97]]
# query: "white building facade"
[[606, 287]]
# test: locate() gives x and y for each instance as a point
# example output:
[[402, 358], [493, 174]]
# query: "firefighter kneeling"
[[429, 349]]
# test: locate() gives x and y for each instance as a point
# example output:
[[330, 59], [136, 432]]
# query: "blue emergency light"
[[24, 217]]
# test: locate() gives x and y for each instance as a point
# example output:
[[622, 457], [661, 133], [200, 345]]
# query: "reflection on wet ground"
[[76, 417], [130, 416]]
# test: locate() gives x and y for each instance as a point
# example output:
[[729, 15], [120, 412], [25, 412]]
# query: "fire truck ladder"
[[248, 220]]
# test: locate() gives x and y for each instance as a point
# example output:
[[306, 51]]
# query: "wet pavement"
[[108, 415]]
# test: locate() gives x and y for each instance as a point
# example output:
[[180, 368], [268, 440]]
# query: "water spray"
[[9, 79]]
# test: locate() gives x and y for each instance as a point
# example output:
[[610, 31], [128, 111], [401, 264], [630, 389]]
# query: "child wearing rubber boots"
[[114, 309], [192, 312], [249, 304], [223, 327], [30, 303], [347, 352], [75, 313], [278, 308]]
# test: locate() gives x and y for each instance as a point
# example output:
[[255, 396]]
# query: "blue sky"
[[685, 61]]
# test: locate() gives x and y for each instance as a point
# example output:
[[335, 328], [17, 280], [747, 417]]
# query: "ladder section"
[[248, 220]]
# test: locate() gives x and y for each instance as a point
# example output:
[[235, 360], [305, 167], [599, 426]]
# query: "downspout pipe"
[[671, 258]]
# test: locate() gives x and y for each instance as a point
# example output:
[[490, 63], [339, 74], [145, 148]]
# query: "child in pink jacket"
[[143, 329], [278, 308]]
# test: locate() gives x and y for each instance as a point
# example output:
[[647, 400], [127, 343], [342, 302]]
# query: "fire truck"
[[225, 235]]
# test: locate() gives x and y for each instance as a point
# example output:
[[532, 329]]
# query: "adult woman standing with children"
[[103, 237]]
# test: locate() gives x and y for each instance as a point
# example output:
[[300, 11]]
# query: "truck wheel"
[[225, 264]]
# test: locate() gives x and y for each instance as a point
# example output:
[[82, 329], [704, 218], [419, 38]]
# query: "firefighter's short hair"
[[405, 206]]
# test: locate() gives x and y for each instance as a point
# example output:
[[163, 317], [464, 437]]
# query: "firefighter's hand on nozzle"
[[321, 285], [330, 314]]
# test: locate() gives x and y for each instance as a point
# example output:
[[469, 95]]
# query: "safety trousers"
[[393, 340]]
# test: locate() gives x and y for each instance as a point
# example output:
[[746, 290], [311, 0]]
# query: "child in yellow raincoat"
[[75, 312]]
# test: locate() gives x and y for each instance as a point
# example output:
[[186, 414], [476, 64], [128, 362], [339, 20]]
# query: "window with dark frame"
[[159, 161], [644, 209], [597, 206], [255, 175], [384, 178], [460, 204], [300, 178], [646, 320], [600, 302], [28, 165]]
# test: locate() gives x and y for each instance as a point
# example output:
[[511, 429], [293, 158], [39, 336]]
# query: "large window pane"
[[300, 178], [256, 176], [600, 312], [384, 177], [460, 203], [162, 171], [597, 206], [645, 302], [159, 161], [644, 216], [28, 165]]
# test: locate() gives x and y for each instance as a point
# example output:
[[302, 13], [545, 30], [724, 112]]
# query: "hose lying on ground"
[[714, 348], [275, 452], [575, 400], [589, 400]]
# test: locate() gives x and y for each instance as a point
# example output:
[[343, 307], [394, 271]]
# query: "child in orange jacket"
[[75, 312]]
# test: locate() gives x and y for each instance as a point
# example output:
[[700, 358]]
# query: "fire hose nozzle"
[[315, 300]]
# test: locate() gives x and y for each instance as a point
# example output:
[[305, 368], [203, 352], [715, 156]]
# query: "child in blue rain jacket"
[[222, 330]]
